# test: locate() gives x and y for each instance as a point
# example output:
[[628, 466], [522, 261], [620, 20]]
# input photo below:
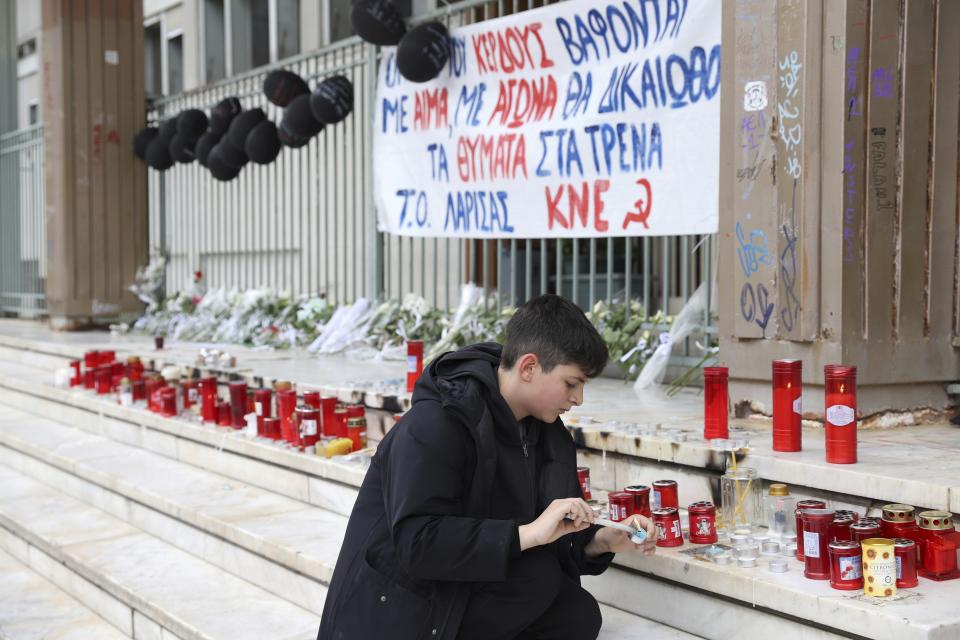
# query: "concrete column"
[[96, 206], [838, 201], [8, 65]]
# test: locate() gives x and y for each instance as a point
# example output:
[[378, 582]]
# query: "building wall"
[[28, 67]]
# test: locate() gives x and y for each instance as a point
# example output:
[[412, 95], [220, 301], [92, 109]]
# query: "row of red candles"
[[301, 424], [840, 404], [930, 549]]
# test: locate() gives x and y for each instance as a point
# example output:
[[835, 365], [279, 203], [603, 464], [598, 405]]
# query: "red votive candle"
[[620, 505], [139, 388], [340, 420], [840, 393], [191, 393], [846, 559], [224, 414], [787, 407], [77, 377], [168, 402], [898, 522], [905, 551], [104, 378], [414, 362], [583, 473], [802, 506], [238, 404], [208, 399], [937, 543], [271, 428], [703, 522], [263, 406], [715, 403], [816, 539], [311, 399], [328, 419], [308, 420], [669, 533], [641, 498], [286, 405], [665, 494]]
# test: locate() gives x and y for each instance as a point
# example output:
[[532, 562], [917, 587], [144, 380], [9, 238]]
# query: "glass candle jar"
[[191, 393], [860, 531], [619, 505], [263, 407], [787, 404], [741, 500], [414, 363], [311, 399], [840, 397], [816, 539], [840, 528], [224, 414], [340, 420], [667, 521], [715, 403], [168, 402], [779, 507], [271, 428], [583, 476]]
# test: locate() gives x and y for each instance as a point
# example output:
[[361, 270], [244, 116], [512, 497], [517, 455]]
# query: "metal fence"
[[23, 247], [306, 223]]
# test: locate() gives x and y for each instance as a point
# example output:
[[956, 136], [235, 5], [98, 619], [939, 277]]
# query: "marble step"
[[119, 571], [31, 608], [284, 546]]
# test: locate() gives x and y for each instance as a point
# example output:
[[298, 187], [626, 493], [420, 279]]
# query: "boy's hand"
[[614, 540], [563, 516]]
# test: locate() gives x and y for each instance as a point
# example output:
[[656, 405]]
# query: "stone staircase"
[[167, 528], [126, 524]]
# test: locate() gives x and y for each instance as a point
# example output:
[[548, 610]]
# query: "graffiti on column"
[[851, 192], [790, 129]]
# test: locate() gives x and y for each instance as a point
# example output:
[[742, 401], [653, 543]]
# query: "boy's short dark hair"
[[557, 332]]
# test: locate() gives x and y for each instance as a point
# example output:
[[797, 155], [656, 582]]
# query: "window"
[[215, 58], [175, 64], [33, 113], [152, 60], [250, 20], [287, 28], [26, 49]]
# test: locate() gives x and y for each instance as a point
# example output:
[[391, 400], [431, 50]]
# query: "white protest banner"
[[582, 119]]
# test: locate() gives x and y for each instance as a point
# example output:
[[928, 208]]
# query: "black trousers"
[[537, 601]]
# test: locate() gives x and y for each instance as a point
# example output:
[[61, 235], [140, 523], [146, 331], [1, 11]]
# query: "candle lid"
[[903, 543], [779, 489], [935, 520], [898, 513]]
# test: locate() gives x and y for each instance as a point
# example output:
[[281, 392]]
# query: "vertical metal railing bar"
[[558, 271], [527, 271], [543, 265], [592, 289], [575, 290], [665, 274], [610, 244], [627, 274], [685, 280], [484, 272], [646, 276]]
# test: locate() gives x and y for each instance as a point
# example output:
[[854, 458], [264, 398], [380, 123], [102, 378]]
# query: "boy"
[[470, 524]]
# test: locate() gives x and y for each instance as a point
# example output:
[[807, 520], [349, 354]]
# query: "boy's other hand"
[[612, 540], [562, 516]]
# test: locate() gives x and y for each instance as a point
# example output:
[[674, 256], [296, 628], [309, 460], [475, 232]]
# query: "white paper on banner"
[[581, 119]]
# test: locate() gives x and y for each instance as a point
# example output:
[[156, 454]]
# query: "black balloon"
[[223, 114], [332, 100], [243, 124], [168, 129], [423, 52], [158, 156], [230, 155], [220, 169], [298, 118], [204, 145], [290, 140], [262, 144], [281, 86], [142, 140], [181, 149], [377, 22], [191, 123]]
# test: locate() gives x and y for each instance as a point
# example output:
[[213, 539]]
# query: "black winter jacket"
[[420, 536]]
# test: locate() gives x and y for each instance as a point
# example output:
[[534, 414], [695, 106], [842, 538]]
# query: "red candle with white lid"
[[840, 399]]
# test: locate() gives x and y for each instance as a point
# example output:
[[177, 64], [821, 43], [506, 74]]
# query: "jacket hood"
[[454, 377]]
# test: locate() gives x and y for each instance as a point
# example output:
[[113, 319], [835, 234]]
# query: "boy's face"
[[553, 393]]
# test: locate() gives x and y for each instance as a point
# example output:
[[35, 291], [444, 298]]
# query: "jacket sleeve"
[[586, 565], [423, 488]]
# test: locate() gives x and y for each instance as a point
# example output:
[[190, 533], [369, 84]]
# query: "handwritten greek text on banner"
[[581, 119]]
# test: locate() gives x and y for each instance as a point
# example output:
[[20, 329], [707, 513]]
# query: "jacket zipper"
[[523, 442]]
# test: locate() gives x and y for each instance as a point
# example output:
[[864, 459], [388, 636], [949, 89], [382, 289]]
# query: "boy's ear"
[[527, 365]]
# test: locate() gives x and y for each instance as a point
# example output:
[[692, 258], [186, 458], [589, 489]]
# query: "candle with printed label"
[[414, 362], [787, 407], [840, 395]]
